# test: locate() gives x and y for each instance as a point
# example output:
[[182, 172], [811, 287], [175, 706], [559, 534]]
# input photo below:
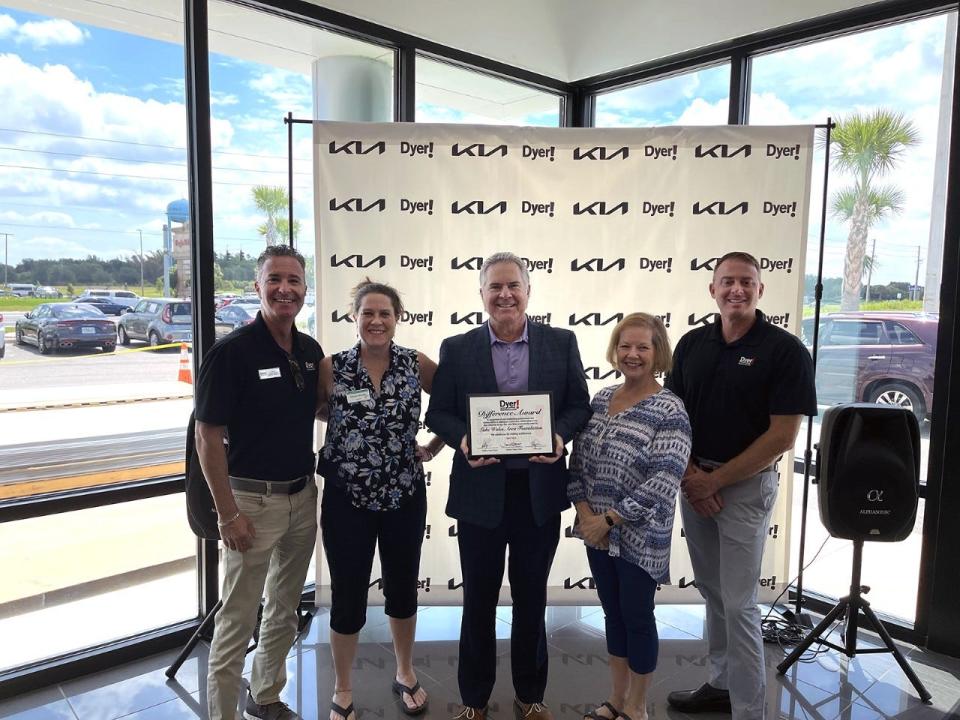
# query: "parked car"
[[3, 338], [54, 326], [45, 291], [882, 357], [233, 316], [104, 305], [157, 321], [124, 297], [22, 289]]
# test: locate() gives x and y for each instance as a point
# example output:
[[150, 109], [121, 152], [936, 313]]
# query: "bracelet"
[[227, 522]]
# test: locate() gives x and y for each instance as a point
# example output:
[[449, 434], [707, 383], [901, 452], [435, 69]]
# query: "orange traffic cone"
[[184, 374]]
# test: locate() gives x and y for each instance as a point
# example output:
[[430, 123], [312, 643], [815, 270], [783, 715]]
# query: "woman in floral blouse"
[[374, 491]]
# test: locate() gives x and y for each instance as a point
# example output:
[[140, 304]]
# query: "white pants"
[[286, 527], [726, 551]]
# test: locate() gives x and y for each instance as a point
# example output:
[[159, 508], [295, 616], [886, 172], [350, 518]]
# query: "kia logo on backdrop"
[[722, 151], [600, 207], [586, 583], [477, 207], [356, 205], [357, 261], [706, 264], [356, 147], [601, 153], [471, 263], [478, 150], [597, 265], [719, 207], [468, 318], [595, 318], [338, 316], [707, 319], [595, 373]]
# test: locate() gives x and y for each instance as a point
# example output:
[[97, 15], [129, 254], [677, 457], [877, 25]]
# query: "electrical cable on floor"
[[787, 629]]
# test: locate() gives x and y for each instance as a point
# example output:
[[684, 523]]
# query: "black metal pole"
[[289, 122], [818, 296]]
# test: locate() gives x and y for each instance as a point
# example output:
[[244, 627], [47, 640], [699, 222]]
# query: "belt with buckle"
[[267, 487]]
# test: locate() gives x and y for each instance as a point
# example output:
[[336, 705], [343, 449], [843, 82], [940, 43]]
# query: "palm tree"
[[275, 202], [867, 146]]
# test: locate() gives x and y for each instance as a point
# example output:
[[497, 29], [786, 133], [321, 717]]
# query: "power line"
[[142, 144], [129, 176], [145, 162]]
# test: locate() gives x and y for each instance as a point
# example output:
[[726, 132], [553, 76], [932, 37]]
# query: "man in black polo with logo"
[[258, 387], [746, 385]]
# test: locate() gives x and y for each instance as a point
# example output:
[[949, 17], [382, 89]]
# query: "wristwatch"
[[609, 520]]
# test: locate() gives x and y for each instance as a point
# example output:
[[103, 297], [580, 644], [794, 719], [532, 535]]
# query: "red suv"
[[882, 357]]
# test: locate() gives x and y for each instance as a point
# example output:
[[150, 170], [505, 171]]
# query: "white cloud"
[[47, 33], [51, 247], [701, 112], [7, 26]]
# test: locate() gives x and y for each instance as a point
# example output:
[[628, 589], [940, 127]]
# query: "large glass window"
[[92, 158], [92, 181], [450, 94], [694, 98], [890, 96]]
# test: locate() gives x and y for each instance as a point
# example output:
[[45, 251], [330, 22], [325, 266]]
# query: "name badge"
[[356, 396], [267, 373]]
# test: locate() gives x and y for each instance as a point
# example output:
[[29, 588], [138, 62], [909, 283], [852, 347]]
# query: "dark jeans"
[[626, 592], [482, 561], [350, 536]]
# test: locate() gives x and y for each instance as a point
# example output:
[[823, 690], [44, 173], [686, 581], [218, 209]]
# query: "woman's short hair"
[[366, 287], [662, 354]]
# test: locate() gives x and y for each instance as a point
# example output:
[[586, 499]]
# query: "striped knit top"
[[632, 463]]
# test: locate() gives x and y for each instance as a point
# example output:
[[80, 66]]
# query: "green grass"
[[894, 305]]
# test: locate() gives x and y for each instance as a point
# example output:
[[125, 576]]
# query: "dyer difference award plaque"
[[510, 425]]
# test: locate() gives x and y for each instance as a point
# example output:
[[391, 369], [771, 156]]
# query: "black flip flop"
[[400, 689], [343, 712], [594, 716]]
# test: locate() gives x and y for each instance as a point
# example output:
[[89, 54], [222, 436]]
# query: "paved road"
[[24, 366]]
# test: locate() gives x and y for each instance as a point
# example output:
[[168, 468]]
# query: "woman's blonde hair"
[[662, 354]]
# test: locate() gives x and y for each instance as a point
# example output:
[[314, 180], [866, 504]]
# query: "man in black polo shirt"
[[746, 385], [258, 386]]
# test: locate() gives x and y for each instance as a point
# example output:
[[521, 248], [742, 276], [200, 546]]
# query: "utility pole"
[[141, 262], [6, 261], [916, 278], [873, 257]]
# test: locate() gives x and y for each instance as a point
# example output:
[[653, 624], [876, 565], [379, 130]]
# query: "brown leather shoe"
[[531, 711], [469, 713]]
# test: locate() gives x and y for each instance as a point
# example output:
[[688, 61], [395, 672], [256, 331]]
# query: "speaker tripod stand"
[[851, 606]]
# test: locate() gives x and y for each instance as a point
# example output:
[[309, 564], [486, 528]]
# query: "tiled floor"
[[827, 686]]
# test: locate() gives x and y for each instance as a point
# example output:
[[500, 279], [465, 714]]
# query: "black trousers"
[[350, 536], [531, 551]]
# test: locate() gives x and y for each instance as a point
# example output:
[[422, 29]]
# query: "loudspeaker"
[[868, 468]]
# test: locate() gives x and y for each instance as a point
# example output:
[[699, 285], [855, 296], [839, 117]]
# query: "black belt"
[[705, 464], [266, 487]]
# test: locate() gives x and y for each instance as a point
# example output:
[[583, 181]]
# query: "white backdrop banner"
[[608, 222]]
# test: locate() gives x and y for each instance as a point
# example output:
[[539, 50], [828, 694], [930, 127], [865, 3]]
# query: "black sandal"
[[593, 715], [400, 689], [343, 712]]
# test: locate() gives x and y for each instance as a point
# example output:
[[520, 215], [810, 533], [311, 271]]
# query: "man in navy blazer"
[[513, 503]]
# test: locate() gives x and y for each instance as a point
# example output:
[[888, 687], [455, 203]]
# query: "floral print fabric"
[[371, 441]]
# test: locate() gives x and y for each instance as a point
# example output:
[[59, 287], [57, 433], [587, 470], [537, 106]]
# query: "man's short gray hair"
[[502, 257], [272, 251]]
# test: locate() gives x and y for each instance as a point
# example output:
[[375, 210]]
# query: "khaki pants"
[[726, 551], [274, 567]]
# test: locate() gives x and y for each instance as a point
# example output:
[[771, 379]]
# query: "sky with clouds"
[[92, 145]]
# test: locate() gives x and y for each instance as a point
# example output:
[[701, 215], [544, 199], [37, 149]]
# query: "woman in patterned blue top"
[[625, 471], [374, 492]]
